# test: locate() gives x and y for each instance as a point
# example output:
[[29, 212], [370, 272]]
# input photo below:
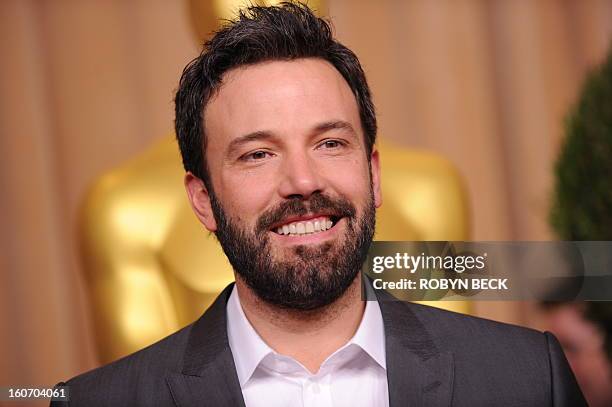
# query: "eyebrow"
[[335, 125], [267, 135], [255, 136]]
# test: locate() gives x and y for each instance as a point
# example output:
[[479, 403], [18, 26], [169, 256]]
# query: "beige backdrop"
[[87, 84]]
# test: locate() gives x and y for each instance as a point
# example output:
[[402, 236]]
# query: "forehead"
[[283, 96]]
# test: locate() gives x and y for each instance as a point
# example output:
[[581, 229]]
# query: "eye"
[[256, 156], [331, 144]]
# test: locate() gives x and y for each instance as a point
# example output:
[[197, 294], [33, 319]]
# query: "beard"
[[308, 277]]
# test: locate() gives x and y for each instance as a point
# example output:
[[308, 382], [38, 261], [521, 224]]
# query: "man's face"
[[294, 198]]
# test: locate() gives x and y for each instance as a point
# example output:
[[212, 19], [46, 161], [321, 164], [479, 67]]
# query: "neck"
[[292, 332]]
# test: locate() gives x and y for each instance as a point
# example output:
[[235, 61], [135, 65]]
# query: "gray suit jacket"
[[434, 358]]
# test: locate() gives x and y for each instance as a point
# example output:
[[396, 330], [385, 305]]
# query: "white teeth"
[[305, 227]]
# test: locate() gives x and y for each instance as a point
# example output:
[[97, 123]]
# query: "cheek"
[[352, 180], [248, 194], [356, 189]]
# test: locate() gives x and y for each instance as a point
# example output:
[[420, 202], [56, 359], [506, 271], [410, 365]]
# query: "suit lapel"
[[209, 375], [418, 374]]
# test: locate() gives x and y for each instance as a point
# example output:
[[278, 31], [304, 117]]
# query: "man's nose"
[[300, 177]]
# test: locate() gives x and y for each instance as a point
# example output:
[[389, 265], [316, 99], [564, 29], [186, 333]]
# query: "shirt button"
[[315, 388]]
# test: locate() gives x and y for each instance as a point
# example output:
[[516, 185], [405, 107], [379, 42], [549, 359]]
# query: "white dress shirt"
[[355, 375]]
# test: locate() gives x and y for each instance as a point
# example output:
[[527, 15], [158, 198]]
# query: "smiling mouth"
[[307, 227]]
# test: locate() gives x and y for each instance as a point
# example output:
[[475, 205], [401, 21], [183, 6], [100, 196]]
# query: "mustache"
[[338, 207]]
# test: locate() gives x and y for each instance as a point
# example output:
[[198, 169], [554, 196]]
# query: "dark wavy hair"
[[285, 32]]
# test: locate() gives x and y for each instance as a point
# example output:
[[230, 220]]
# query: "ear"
[[375, 168], [200, 201]]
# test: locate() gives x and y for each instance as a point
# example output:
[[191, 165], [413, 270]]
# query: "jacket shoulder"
[[136, 379], [454, 328], [495, 360]]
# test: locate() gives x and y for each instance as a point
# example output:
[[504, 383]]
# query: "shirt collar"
[[370, 335], [249, 349]]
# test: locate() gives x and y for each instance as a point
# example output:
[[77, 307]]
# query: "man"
[[277, 128]]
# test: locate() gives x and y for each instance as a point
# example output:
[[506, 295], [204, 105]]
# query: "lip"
[[302, 218], [311, 238]]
